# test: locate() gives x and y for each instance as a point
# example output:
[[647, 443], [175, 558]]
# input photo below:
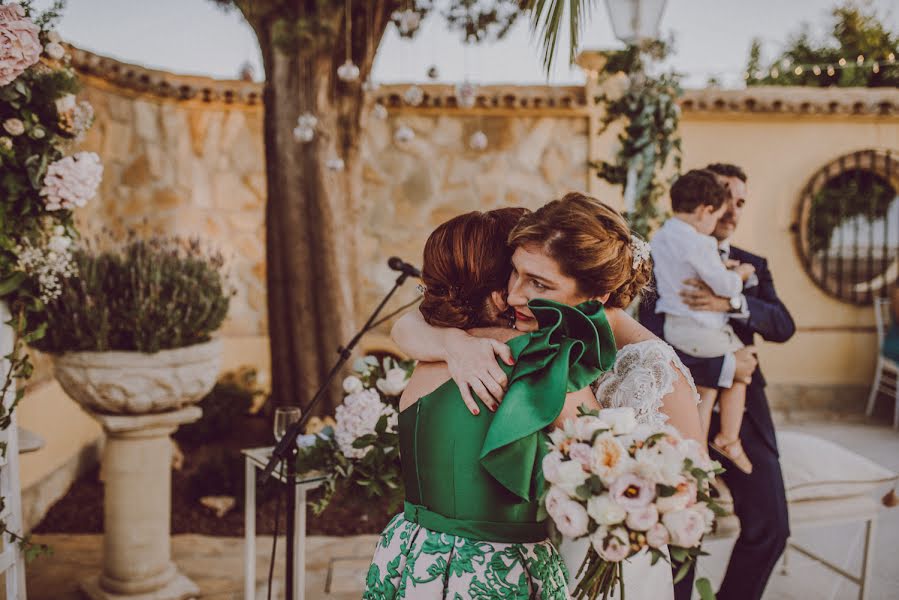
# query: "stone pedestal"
[[137, 473]]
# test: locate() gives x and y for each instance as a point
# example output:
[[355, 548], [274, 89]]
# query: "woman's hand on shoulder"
[[472, 364]]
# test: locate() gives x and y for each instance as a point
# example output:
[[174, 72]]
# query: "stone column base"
[[179, 588]]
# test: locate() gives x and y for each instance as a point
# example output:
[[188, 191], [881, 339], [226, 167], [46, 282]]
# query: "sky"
[[712, 38]]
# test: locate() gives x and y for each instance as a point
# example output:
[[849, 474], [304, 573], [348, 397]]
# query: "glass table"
[[257, 458]]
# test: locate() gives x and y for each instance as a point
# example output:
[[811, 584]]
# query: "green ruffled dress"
[[470, 527]]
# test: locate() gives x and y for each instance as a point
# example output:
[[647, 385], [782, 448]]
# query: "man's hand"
[[698, 296], [744, 270], [472, 365], [746, 364]]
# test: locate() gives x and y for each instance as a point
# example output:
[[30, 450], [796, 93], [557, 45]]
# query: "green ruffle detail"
[[572, 348]]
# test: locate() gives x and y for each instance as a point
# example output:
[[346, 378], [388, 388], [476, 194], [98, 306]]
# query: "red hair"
[[466, 259]]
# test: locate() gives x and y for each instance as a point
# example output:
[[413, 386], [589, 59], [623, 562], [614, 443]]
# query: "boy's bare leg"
[[707, 398], [732, 403]]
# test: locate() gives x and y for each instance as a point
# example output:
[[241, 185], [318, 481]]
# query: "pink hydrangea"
[[20, 46], [72, 181]]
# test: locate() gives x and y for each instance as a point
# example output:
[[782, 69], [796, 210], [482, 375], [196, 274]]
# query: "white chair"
[[885, 366]]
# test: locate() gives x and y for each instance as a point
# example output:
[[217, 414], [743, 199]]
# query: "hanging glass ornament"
[[414, 95], [403, 134], [478, 141], [407, 21], [305, 129], [370, 85], [348, 71], [379, 111], [433, 72], [335, 164], [466, 94]]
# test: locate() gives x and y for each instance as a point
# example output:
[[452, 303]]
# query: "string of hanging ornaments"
[[859, 62]]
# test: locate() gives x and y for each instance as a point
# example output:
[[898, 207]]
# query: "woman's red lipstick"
[[520, 316]]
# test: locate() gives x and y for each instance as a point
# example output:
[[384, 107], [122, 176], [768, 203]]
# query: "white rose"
[[584, 427], [55, 50], [616, 86], [685, 527], [54, 36], [6, 143], [59, 243], [571, 476], [642, 519], [65, 104], [554, 497], [570, 518], [622, 420], [664, 461], [657, 536], [14, 126], [551, 464], [352, 385], [707, 515], [605, 511], [394, 382], [611, 544], [684, 497]]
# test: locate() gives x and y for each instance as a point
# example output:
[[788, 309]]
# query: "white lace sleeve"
[[643, 374]]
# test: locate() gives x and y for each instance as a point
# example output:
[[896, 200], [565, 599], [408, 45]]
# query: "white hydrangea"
[[72, 181], [358, 416]]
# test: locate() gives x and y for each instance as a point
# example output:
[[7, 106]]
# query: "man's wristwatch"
[[736, 303]]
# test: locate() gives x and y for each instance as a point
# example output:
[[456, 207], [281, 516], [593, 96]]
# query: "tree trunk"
[[311, 222]]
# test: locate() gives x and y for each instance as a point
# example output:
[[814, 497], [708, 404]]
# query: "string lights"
[[860, 62]]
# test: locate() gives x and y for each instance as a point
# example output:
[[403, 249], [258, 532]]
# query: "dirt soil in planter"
[[81, 509]]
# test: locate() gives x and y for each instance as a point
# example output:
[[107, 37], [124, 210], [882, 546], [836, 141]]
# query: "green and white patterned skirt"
[[415, 563]]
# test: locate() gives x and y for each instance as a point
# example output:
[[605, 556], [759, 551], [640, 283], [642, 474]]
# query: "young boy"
[[683, 249]]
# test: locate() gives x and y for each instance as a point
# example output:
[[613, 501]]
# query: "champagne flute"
[[284, 417]]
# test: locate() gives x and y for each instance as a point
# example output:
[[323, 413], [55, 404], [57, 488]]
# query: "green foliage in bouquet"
[[372, 464], [145, 296]]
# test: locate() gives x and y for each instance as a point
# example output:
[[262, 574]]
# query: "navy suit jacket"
[[768, 317]]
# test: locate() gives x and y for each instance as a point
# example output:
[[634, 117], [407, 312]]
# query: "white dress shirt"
[[679, 252]]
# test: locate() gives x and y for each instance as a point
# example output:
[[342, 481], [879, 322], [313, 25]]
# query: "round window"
[[848, 228]]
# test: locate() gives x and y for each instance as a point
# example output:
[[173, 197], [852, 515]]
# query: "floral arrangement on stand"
[[649, 140], [629, 489], [41, 121], [359, 446]]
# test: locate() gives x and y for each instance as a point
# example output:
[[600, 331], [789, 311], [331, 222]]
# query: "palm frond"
[[548, 19]]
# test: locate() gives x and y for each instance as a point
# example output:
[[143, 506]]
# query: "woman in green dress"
[[471, 526]]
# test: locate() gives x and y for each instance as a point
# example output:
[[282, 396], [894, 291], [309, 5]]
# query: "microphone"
[[398, 264]]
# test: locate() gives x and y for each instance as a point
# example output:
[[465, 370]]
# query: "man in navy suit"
[[759, 498]]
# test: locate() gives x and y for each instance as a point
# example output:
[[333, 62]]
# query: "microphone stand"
[[286, 449]]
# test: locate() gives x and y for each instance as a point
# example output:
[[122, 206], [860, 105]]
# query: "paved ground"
[[216, 564]]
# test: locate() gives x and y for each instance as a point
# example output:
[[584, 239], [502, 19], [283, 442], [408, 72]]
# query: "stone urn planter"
[[140, 400]]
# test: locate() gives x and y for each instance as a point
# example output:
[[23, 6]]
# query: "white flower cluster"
[[49, 265], [358, 416], [72, 181], [628, 487]]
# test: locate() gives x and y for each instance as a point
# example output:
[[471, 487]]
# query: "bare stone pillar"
[[137, 508]]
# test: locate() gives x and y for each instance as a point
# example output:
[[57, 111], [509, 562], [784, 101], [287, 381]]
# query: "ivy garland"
[[649, 140], [40, 123]]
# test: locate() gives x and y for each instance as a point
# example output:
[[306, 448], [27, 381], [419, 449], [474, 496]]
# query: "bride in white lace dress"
[[644, 373]]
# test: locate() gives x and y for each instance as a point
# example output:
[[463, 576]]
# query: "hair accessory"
[[640, 249], [421, 288]]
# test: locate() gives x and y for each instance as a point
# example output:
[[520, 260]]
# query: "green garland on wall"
[[650, 143]]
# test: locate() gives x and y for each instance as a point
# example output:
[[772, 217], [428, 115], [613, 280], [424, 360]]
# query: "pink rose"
[[686, 527], [657, 536], [643, 518], [553, 498], [611, 545], [20, 46], [632, 492]]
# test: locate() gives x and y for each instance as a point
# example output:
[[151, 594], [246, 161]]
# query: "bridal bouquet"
[[628, 488]]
